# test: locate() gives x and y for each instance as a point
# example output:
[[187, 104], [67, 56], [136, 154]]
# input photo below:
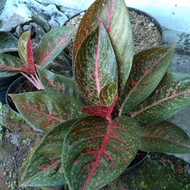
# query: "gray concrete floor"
[[180, 63]]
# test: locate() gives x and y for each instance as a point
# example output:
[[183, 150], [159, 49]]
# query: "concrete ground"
[[180, 63]]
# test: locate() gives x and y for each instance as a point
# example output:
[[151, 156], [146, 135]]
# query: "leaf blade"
[[100, 149], [52, 44], [98, 55], [165, 137], [114, 15], [44, 165], [8, 43], [46, 109], [10, 65], [148, 69], [171, 96], [26, 53], [58, 83]]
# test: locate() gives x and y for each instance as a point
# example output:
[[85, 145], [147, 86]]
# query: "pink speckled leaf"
[[58, 83], [114, 16], [95, 65], [44, 163], [46, 109], [26, 53], [171, 96], [52, 44], [96, 151], [10, 65], [165, 137], [148, 69]]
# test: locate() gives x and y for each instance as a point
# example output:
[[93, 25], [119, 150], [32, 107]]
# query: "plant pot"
[[20, 85], [147, 32], [139, 158], [4, 85]]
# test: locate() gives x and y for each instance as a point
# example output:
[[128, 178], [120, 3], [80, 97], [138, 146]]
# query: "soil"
[[147, 32], [18, 139]]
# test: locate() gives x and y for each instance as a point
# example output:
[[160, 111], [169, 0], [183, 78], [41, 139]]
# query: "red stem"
[[34, 79]]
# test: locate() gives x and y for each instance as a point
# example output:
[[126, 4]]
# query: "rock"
[[47, 13], [13, 15]]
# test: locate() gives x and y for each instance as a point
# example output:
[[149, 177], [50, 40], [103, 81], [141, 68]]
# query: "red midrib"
[[96, 73], [164, 138], [49, 53], [146, 73], [98, 157], [43, 113], [30, 60], [159, 102], [110, 15]]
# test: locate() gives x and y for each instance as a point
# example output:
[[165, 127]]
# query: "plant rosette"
[[117, 105]]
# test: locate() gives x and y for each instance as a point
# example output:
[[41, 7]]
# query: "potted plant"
[[26, 64], [125, 100], [8, 43]]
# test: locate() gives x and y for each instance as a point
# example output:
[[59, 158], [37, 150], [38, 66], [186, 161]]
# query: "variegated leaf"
[[95, 65], [102, 111], [58, 83], [52, 44], [148, 69], [26, 53], [46, 109], [114, 15], [165, 137], [8, 42], [44, 164], [108, 94], [10, 65], [96, 151], [171, 96]]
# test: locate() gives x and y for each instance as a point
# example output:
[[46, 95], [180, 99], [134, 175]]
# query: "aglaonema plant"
[[25, 63], [125, 100]]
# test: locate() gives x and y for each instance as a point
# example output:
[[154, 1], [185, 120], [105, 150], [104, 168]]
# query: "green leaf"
[[171, 96], [148, 69], [52, 44], [165, 137], [44, 165], [58, 83], [8, 43], [97, 54], [46, 109], [10, 65], [96, 151], [114, 15], [108, 94], [26, 53]]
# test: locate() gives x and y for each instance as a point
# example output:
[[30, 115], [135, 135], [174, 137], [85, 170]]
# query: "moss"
[[159, 171]]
